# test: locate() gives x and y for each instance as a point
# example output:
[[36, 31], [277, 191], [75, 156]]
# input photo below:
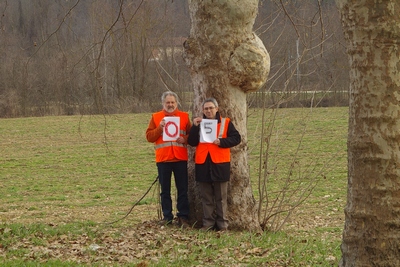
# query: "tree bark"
[[371, 235], [227, 60]]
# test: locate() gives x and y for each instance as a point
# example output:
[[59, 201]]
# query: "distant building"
[[167, 49]]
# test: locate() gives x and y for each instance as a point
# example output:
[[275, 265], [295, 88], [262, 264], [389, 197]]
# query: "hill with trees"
[[103, 56]]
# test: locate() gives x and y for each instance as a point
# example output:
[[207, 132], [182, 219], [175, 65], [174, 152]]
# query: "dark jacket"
[[210, 171]]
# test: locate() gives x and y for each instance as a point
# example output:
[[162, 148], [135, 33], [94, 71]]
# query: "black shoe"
[[184, 223]]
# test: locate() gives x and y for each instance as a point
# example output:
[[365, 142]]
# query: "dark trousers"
[[179, 168], [214, 203]]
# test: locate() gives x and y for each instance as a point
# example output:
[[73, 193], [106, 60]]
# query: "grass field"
[[62, 179]]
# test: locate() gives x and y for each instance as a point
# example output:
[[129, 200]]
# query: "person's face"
[[210, 110], [170, 104]]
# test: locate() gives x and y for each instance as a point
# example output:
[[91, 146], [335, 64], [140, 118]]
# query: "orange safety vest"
[[218, 154], [171, 150]]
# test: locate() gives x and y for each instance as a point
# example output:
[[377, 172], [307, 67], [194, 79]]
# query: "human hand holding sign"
[[196, 121], [171, 129], [208, 131], [162, 123], [180, 140]]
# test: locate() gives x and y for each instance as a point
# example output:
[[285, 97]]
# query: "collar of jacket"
[[217, 116], [174, 113]]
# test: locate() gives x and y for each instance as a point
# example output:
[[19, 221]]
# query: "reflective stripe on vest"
[[168, 144], [218, 154], [171, 150], [222, 128]]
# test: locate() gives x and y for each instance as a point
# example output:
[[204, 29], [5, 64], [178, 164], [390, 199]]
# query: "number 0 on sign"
[[171, 128]]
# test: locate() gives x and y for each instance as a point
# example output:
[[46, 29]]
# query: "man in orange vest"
[[171, 156], [212, 165]]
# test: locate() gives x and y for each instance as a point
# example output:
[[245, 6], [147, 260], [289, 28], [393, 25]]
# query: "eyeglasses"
[[209, 108]]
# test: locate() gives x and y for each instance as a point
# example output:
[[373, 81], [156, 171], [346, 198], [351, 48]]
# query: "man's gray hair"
[[210, 99], [169, 93]]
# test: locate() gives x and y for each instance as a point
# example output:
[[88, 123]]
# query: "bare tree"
[[228, 60], [301, 38], [371, 235], [86, 52], [307, 42], [86, 57]]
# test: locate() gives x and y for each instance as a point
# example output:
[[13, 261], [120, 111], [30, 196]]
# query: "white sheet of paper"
[[208, 130], [171, 128]]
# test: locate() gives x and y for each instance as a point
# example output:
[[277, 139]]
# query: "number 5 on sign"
[[208, 131], [171, 128]]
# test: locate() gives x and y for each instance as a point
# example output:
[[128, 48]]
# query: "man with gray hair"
[[171, 156], [212, 165]]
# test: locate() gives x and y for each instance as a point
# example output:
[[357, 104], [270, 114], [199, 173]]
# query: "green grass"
[[307, 148], [63, 178]]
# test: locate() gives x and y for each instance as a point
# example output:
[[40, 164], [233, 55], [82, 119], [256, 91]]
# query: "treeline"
[[105, 56]]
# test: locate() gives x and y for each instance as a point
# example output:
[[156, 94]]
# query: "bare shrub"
[[9, 107]]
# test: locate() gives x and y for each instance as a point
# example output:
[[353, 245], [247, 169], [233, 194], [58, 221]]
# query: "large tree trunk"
[[371, 235], [227, 60]]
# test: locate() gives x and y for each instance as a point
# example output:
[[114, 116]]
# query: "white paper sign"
[[208, 130], [171, 128]]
